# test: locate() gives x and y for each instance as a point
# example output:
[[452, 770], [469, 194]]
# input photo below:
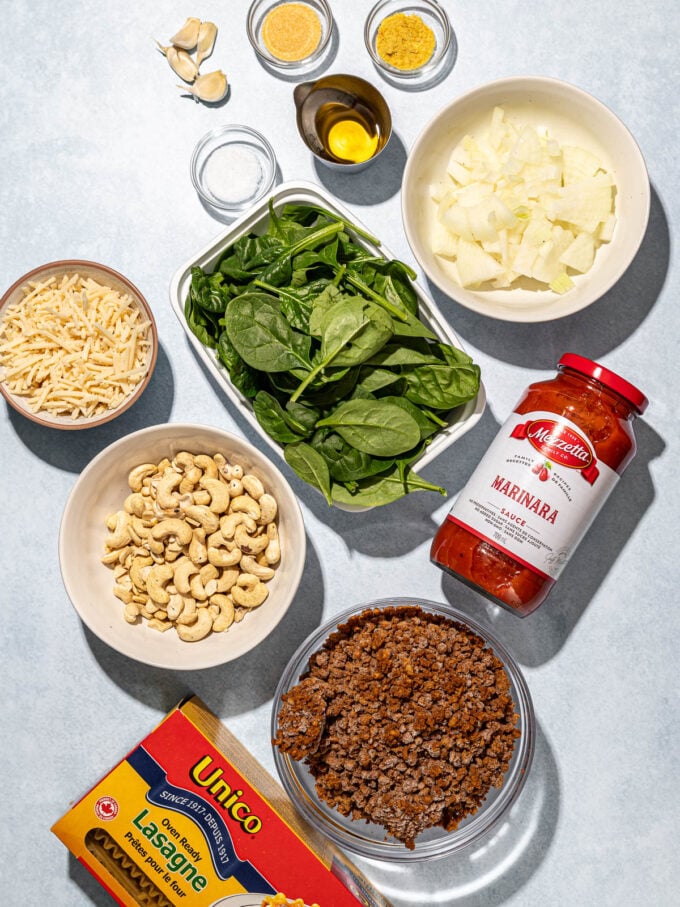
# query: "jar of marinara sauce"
[[540, 484]]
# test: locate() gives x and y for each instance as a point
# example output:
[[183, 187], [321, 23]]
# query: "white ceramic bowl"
[[572, 116], [105, 276], [462, 419], [102, 488]]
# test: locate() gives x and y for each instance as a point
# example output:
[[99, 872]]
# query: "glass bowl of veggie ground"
[[561, 234], [384, 675], [328, 347]]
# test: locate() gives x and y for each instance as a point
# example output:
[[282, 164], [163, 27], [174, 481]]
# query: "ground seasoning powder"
[[405, 41], [291, 31], [404, 718]]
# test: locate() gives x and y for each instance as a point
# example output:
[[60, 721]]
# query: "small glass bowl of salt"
[[232, 167]]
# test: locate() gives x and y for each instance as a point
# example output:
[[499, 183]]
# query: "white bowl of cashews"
[[181, 546]]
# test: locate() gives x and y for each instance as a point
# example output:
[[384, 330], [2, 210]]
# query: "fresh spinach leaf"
[[310, 466], [261, 335], [383, 489], [441, 386], [377, 428], [271, 416]]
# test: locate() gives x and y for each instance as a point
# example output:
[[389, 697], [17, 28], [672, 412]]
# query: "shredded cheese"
[[73, 347]]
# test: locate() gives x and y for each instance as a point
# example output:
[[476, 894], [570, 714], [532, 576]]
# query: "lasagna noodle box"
[[190, 817]]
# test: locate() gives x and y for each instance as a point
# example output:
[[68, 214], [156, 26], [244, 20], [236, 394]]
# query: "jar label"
[[536, 491]]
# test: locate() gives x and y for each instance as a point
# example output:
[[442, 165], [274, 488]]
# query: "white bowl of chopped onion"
[[525, 199], [78, 344]]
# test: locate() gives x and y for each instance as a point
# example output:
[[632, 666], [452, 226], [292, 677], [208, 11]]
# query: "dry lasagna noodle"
[[124, 870]]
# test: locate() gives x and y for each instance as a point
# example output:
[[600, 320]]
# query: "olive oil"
[[347, 133], [342, 119]]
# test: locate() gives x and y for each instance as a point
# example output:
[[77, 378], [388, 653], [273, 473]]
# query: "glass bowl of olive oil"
[[344, 120]]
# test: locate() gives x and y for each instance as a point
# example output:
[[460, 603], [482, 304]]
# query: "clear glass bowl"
[[257, 14], [432, 15], [369, 840], [232, 167]]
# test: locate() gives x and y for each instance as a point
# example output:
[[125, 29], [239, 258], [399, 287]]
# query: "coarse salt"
[[233, 173]]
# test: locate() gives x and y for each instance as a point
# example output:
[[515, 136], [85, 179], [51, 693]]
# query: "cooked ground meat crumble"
[[405, 719]]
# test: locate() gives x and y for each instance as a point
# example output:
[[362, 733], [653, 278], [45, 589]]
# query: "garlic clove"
[[180, 61], [206, 41], [187, 36], [210, 87]]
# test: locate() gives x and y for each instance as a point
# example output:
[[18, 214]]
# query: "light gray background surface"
[[95, 142]]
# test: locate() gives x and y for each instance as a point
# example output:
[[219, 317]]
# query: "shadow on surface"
[[497, 866], [536, 639], [378, 182], [88, 885], [592, 332], [73, 450], [233, 688]]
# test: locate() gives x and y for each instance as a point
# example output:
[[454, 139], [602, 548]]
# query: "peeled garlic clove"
[[210, 87], [180, 61], [187, 36], [206, 41]]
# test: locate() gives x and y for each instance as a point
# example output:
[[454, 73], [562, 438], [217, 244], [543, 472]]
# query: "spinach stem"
[[360, 285]]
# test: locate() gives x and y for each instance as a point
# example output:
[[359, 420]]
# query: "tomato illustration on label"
[[541, 468]]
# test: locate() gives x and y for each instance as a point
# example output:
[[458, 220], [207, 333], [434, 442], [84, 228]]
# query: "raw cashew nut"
[[175, 606], [207, 464], [173, 528], [120, 535], [157, 623], [184, 460], [235, 487], [250, 544], [203, 516], [227, 579], [184, 569], [253, 486], [198, 551], [200, 584], [139, 569], [245, 504], [249, 591], [226, 612], [219, 494], [135, 504], [131, 613], [220, 553], [229, 523], [272, 552], [165, 496], [268, 509], [123, 593], [189, 612], [159, 576], [199, 629], [250, 565], [138, 474]]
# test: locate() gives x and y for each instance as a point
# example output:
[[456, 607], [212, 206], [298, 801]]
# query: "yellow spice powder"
[[405, 41], [291, 31]]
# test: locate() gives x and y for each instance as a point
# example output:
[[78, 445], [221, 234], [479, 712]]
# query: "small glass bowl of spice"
[[408, 42], [232, 167], [290, 36]]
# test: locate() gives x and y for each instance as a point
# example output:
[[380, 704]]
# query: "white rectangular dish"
[[255, 221]]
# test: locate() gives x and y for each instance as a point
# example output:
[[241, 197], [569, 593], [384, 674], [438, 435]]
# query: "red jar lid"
[[610, 379]]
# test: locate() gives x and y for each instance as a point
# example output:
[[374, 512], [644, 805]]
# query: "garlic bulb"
[[210, 87], [187, 36], [206, 41], [180, 61]]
